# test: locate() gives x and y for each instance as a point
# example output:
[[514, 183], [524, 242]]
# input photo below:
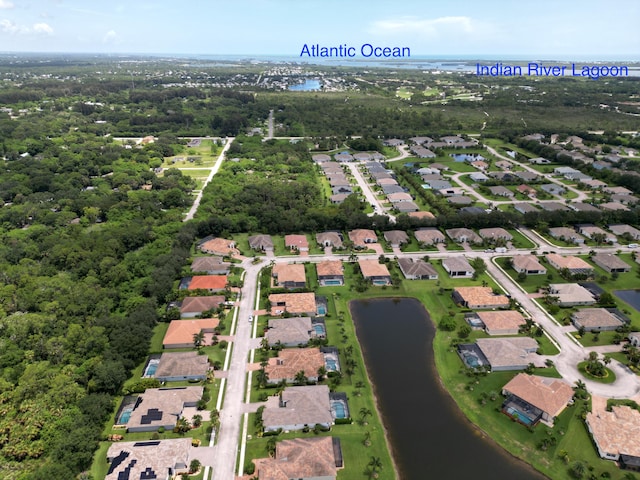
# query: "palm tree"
[[375, 463], [196, 421], [198, 339], [262, 378], [367, 439], [322, 372], [300, 378], [364, 413], [271, 446]]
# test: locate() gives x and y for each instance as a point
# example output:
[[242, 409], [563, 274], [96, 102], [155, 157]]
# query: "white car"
[[250, 318]]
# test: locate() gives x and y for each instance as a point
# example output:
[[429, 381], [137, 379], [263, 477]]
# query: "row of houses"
[[401, 200], [580, 233]]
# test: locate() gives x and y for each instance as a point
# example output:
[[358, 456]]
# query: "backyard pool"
[[332, 283], [318, 329], [331, 364], [125, 416], [152, 366], [466, 157], [338, 410], [322, 310], [520, 417]]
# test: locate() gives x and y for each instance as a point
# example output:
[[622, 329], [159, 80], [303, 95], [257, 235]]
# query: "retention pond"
[[429, 436]]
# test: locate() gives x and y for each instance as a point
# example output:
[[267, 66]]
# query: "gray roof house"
[[462, 235], [553, 189], [623, 230], [590, 230], [210, 265], [571, 294], [611, 263], [509, 353], [495, 234], [329, 239], [567, 235], [501, 191], [406, 207], [417, 269], [261, 242], [297, 407], [595, 319], [289, 332], [528, 264], [524, 208], [458, 267], [161, 408], [180, 366], [460, 200], [429, 236], [148, 460], [396, 238]]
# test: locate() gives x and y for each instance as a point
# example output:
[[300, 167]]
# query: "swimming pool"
[[512, 412], [322, 310], [331, 364], [152, 366], [338, 410], [471, 360], [318, 329], [125, 416], [332, 283]]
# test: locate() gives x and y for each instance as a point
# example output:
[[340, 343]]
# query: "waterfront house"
[[531, 398]]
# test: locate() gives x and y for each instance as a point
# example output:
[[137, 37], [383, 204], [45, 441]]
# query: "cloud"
[[110, 37], [431, 27], [6, 4], [12, 28]]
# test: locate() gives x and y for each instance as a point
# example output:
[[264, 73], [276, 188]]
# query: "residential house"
[[596, 319], [321, 158], [540, 161], [211, 283], [553, 189], [554, 207], [393, 142], [527, 176], [219, 246], [297, 242], [330, 273], [182, 366], [459, 200], [388, 189], [343, 190], [625, 199], [210, 265], [528, 264], [616, 434], [473, 210], [611, 263], [495, 234], [500, 322], [386, 181], [571, 294], [566, 235], [422, 152], [193, 306], [511, 353], [617, 191], [148, 460], [634, 339], [501, 191], [421, 215], [297, 407], [161, 408], [262, 243], [289, 276], [613, 206], [478, 177], [504, 165], [375, 271], [181, 333], [399, 197], [294, 303], [575, 265], [536, 398], [329, 239], [429, 236], [315, 458], [417, 269], [527, 190], [458, 267], [361, 238], [590, 231], [599, 165], [290, 361], [479, 298], [480, 165], [624, 230], [396, 238], [583, 207], [524, 208], [343, 157], [289, 332], [362, 157], [594, 184], [437, 184], [406, 207], [462, 235]]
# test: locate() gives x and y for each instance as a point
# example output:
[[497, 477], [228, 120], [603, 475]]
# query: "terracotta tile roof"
[[285, 273], [200, 304], [182, 331], [219, 246], [333, 238], [290, 361], [294, 302], [421, 215], [372, 268], [616, 432], [570, 262], [495, 233], [330, 268], [429, 235], [528, 263], [501, 320], [208, 282], [296, 241], [362, 237], [551, 395], [299, 458], [480, 296]]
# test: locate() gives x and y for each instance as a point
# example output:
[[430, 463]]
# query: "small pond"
[[308, 86], [632, 297]]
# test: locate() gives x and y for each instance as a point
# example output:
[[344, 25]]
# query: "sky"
[[553, 29]]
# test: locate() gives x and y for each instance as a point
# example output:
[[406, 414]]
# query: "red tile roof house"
[[302, 458], [329, 239], [182, 366], [212, 283], [528, 264], [538, 398], [362, 237], [294, 303], [330, 273], [289, 276], [290, 361], [501, 322], [616, 434], [193, 306], [296, 242], [375, 271], [495, 234], [297, 407], [180, 333], [479, 297], [527, 190]]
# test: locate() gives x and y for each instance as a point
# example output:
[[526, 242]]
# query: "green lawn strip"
[[595, 339], [546, 346], [242, 244], [520, 241], [159, 332], [314, 248], [455, 167]]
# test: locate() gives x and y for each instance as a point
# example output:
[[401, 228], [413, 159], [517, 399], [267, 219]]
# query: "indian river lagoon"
[[430, 437]]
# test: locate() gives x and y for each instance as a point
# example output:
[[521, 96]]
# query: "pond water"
[[307, 86], [429, 436], [632, 297], [464, 157]]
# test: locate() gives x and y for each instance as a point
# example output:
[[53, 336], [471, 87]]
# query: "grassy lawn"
[[609, 376], [595, 339], [404, 93]]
